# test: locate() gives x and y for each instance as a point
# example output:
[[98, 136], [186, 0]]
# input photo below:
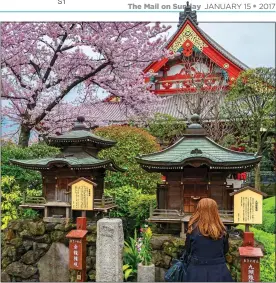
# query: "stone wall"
[[35, 251], [166, 247]]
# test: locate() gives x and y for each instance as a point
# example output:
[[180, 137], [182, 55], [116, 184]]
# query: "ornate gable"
[[189, 41]]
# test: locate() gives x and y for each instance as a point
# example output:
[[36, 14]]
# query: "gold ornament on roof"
[[226, 66], [188, 33]]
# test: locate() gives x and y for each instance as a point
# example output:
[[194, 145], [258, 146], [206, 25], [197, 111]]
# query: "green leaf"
[[125, 266], [128, 273]]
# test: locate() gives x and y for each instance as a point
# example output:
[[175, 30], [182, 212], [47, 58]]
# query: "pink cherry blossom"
[[43, 62]]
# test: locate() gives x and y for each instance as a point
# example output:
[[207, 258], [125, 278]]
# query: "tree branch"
[[37, 68], [70, 87], [15, 98]]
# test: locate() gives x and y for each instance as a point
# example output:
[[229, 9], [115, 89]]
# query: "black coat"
[[207, 258]]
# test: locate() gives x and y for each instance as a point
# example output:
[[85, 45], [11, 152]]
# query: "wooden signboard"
[[250, 264], [76, 254], [82, 194], [77, 249], [248, 206]]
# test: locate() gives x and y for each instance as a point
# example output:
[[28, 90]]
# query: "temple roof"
[[79, 134], [78, 161], [76, 151], [190, 15], [195, 146], [119, 113], [188, 29]]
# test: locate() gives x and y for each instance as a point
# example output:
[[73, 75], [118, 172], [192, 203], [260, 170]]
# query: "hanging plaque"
[[82, 194]]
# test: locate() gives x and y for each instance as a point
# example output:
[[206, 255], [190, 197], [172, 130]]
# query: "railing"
[[166, 213], [33, 199], [177, 214], [226, 213], [104, 202]]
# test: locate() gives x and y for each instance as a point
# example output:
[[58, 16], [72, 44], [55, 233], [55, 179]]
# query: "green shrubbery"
[[133, 206], [131, 259], [139, 207], [16, 181], [122, 196], [268, 262], [24, 178], [267, 267], [263, 233], [269, 211], [166, 128], [131, 142], [11, 198]]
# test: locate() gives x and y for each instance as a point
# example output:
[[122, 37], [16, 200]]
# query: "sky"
[[252, 43]]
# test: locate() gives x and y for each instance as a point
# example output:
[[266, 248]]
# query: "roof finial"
[[80, 119], [187, 13], [195, 118], [195, 129], [79, 124]]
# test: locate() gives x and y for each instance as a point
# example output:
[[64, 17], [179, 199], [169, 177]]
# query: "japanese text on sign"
[[250, 273], [248, 208], [82, 196], [75, 249]]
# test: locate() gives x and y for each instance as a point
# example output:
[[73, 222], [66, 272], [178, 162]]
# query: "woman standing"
[[207, 244]]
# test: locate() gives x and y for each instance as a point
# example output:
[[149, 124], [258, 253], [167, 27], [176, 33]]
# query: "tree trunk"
[[24, 136], [258, 176], [259, 152]]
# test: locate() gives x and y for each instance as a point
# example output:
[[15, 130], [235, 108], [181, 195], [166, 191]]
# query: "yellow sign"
[[82, 194], [248, 206]]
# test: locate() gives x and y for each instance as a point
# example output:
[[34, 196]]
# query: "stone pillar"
[[109, 252], [146, 273]]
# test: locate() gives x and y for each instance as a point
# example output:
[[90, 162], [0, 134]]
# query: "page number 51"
[[61, 1]]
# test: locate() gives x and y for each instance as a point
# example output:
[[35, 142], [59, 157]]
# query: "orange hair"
[[206, 218]]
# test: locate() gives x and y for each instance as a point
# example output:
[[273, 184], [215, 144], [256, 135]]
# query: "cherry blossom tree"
[[44, 62]]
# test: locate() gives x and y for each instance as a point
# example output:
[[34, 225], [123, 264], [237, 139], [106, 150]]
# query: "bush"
[[131, 142], [269, 211], [24, 177], [166, 128], [12, 197], [267, 268], [263, 233], [269, 205], [268, 261], [133, 207], [139, 207], [122, 196], [29, 214]]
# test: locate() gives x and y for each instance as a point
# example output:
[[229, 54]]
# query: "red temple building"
[[199, 65], [200, 59]]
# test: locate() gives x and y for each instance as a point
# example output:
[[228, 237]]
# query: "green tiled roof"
[[191, 148], [79, 160], [81, 135]]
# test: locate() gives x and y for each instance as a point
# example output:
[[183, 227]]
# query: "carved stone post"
[[109, 253]]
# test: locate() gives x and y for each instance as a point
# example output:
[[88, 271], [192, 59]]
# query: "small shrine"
[[195, 167], [78, 159]]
